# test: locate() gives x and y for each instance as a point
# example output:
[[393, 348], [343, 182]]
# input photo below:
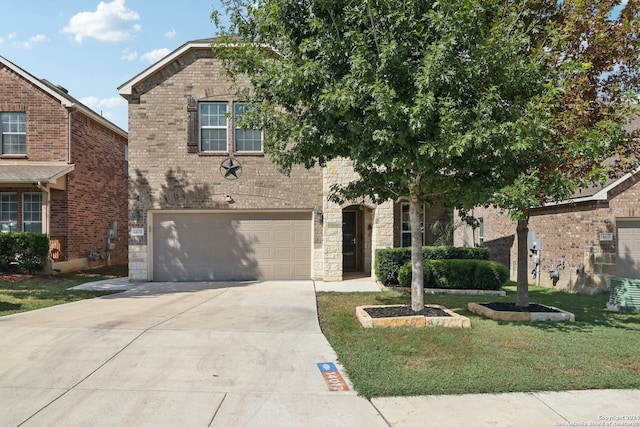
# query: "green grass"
[[20, 293], [598, 351]]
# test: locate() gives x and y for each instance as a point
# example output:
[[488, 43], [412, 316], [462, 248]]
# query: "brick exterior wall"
[[96, 190], [46, 118], [569, 236], [164, 175]]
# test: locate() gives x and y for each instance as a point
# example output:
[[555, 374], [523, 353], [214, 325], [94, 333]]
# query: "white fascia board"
[[602, 194], [126, 88]]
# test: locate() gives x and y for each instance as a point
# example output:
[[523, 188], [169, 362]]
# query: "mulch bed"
[[404, 310], [511, 306], [13, 277]]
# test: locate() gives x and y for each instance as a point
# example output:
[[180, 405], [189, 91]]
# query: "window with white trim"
[[406, 224], [249, 140], [32, 212], [14, 133], [8, 212], [480, 231], [213, 126]]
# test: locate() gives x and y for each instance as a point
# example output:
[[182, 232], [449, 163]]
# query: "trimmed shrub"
[[25, 252], [458, 274], [389, 261]]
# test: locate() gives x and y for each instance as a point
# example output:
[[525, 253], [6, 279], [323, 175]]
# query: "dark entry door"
[[349, 249]]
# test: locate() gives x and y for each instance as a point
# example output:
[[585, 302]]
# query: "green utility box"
[[624, 294]]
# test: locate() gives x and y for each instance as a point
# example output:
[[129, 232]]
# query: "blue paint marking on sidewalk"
[[332, 377], [327, 366]]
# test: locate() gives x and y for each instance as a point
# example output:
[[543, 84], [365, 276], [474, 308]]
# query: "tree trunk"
[[522, 296], [417, 279]]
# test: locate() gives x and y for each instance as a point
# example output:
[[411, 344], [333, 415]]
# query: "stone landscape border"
[[526, 316], [454, 320]]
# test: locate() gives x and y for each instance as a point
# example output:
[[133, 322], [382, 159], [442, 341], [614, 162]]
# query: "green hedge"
[[25, 252], [389, 261], [458, 274]]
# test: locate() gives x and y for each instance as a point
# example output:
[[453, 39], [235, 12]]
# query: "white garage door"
[[628, 254], [196, 246]]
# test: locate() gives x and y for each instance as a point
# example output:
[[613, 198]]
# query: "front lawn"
[[19, 293], [600, 350]]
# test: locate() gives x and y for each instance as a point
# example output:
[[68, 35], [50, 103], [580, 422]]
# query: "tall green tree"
[[598, 59], [433, 101]]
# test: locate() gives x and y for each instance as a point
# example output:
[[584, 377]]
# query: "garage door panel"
[[284, 254], [628, 253], [231, 246], [262, 236]]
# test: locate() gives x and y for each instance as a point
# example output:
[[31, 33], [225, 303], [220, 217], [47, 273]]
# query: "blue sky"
[[91, 47]]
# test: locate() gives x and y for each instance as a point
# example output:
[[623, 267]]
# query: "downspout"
[[71, 110]]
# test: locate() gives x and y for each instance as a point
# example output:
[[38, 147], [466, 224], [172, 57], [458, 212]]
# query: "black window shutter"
[[192, 125]]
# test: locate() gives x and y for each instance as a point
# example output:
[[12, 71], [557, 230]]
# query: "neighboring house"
[[583, 242], [206, 203], [62, 172]]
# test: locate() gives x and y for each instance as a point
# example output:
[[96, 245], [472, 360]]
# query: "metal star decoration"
[[230, 168]]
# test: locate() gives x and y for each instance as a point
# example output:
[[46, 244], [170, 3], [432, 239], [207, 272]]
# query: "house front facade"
[[206, 203], [63, 172]]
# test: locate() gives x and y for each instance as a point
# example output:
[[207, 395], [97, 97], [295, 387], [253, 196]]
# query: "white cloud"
[[27, 44], [127, 55], [111, 22], [96, 103], [155, 55], [38, 38], [170, 34]]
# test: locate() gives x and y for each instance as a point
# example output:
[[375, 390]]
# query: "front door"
[[349, 239]]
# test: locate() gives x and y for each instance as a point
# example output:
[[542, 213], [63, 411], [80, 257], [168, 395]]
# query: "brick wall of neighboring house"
[[164, 175], [569, 236], [96, 191], [46, 118]]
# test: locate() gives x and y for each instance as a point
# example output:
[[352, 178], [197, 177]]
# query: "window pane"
[[248, 140], [8, 212], [245, 139], [32, 212], [406, 224], [214, 140], [213, 115], [14, 133], [213, 126]]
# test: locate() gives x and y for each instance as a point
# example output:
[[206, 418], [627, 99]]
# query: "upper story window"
[[218, 129], [14, 133], [213, 126], [245, 139], [406, 225], [8, 212]]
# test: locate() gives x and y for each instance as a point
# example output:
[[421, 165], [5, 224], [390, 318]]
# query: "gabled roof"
[[62, 96], [126, 89]]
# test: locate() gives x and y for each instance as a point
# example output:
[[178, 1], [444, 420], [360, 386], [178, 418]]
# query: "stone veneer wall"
[[340, 171]]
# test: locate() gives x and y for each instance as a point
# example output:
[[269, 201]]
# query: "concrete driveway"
[[167, 354], [230, 354]]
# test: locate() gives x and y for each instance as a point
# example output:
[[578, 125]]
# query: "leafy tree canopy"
[[464, 102]]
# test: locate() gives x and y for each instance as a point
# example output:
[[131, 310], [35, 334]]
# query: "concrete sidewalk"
[[229, 354]]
